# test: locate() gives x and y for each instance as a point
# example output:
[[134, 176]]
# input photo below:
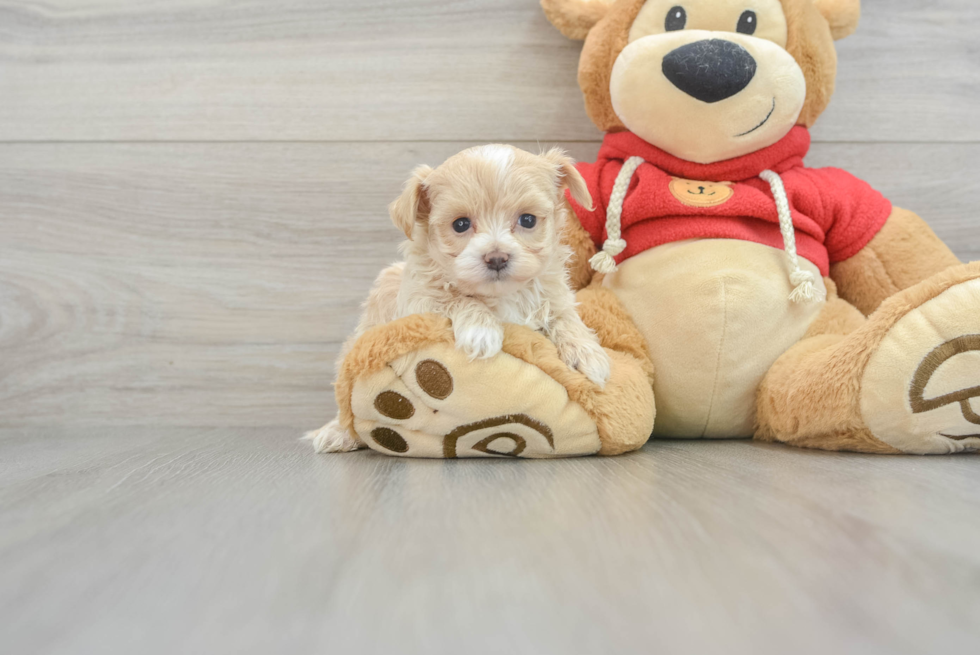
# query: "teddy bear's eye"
[[528, 221], [461, 225], [676, 19], [747, 22]]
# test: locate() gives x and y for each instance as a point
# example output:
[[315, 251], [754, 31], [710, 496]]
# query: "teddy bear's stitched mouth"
[[764, 121]]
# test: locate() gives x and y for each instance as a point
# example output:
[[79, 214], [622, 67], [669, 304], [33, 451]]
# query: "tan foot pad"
[[921, 388], [412, 394]]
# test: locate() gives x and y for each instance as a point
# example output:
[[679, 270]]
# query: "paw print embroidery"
[[498, 438], [510, 435], [434, 379], [926, 373]]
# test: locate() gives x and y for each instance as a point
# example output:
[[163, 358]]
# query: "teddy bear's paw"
[[920, 391], [436, 402]]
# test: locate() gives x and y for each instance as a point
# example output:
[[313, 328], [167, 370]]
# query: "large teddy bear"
[[737, 291]]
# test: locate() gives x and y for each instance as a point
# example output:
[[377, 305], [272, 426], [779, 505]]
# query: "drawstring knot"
[[804, 287], [604, 261], [804, 282]]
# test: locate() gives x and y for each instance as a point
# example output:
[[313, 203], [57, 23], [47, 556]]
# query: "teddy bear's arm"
[[905, 252], [576, 237]]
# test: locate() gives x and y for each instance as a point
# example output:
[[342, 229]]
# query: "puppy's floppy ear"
[[413, 204], [569, 177], [574, 18], [843, 16]]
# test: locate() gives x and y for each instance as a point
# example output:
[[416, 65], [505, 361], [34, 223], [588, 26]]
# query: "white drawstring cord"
[[804, 283], [603, 261]]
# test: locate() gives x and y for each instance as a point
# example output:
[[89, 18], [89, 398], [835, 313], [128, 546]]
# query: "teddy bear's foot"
[[437, 402], [411, 392], [920, 392], [907, 381]]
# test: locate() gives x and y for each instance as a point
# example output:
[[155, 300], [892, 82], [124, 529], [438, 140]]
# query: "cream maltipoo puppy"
[[484, 248]]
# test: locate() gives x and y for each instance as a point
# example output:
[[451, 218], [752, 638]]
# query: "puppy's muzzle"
[[496, 261]]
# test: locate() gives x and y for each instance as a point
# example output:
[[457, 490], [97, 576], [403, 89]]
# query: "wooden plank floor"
[[184, 540], [192, 205]]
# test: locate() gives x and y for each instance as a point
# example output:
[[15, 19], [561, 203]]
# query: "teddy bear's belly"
[[716, 315]]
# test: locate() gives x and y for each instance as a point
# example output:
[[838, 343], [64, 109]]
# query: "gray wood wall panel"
[[211, 284], [174, 267], [380, 70]]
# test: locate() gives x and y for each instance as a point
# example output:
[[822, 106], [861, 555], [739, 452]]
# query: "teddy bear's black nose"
[[710, 70]]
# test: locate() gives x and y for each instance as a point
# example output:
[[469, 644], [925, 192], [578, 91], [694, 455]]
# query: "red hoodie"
[[835, 214]]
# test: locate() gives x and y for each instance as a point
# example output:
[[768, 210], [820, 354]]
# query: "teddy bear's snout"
[[710, 70]]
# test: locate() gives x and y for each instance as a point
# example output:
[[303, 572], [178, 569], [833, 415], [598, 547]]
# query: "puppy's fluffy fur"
[[484, 249]]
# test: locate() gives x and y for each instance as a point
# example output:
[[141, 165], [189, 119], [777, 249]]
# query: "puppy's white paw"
[[332, 438], [588, 358], [479, 342]]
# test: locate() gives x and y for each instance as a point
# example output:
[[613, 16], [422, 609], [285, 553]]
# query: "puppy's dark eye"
[[747, 22], [676, 19], [528, 221], [461, 225]]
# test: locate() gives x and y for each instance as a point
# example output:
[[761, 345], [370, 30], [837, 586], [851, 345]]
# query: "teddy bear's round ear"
[[843, 16], [574, 18]]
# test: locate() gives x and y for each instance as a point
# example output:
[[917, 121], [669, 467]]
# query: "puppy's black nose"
[[710, 70], [496, 261]]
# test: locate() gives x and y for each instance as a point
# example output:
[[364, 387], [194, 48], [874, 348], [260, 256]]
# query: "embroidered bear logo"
[[701, 194]]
